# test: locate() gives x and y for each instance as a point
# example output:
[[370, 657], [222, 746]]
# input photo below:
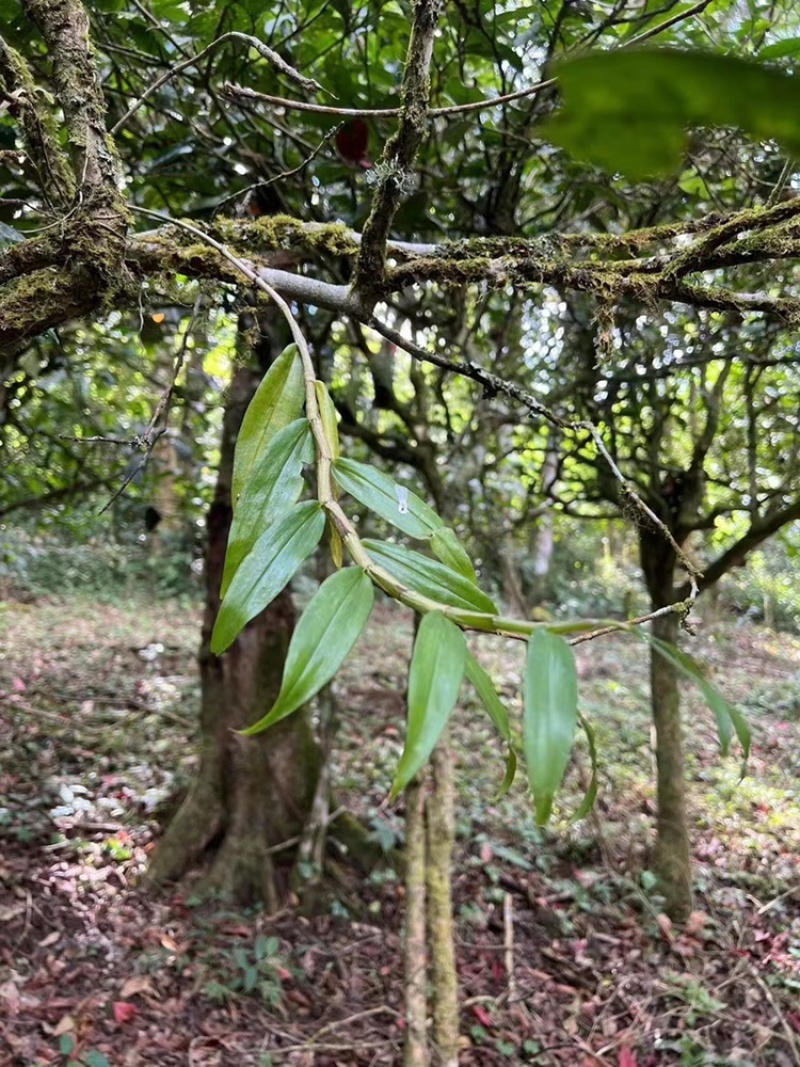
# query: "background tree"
[[547, 226]]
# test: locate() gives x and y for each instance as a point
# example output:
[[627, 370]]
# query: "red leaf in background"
[[793, 1019], [123, 1012], [626, 1058], [351, 144], [482, 1015]]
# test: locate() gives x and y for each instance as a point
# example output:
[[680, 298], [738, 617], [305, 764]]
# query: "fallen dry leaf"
[[123, 1013]]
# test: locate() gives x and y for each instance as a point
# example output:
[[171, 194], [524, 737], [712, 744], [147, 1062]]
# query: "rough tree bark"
[[439, 839], [415, 1047], [672, 861], [250, 794]]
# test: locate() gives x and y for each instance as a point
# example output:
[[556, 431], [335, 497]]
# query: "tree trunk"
[[251, 794], [415, 1048], [672, 862], [439, 838]]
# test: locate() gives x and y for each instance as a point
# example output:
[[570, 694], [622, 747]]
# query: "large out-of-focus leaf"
[[383, 496], [274, 486], [629, 110], [266, 570], [437, 670], [327, 630], [277, 402], [550, 716], [446, 545], [429, 577], [729, 720]]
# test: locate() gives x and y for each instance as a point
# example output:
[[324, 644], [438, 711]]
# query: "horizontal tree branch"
[[27, 308], [736, 555]]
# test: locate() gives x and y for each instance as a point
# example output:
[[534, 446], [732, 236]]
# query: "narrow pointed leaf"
[[327, 630], [429, 577], [483, 685], [550, 716], [729, 720], [267, 569], [277, 402], [591, 793], [337, 548], [446, 545], [437, 670], [510, 775], [383, 496], [274, 485], [327, 411]]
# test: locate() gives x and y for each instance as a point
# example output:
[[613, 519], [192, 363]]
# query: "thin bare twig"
[[330, 135], [147, 441], [271, 56], [241, 92], [636, 500]]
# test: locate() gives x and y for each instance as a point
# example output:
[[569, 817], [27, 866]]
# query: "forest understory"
[[564, 954]]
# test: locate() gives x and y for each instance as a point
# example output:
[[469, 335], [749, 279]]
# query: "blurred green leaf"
[[94, 1058], [628, 110], [274, 485], [550, 716], [729, 720], [435, 676], [327, 630], [383, 496], [277, 402], [267, 569], [789, 46], [509, 776], [429, 577], [587, 803]]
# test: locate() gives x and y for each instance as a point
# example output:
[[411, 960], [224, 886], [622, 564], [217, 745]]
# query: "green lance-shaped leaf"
[[327, 412], [429, 577], [327, 630], [383, 496], [277, 402], [274, 485], [629, 110], [587, 803], [729, 720], [484, 687], [437, 670], [267, 569], [446, 545], [509, 776], [550, 716]]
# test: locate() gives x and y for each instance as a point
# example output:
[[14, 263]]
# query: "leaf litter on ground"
[[94, 970]]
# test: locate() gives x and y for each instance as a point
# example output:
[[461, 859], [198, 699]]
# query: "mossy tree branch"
[[399, 153], [87, 245]]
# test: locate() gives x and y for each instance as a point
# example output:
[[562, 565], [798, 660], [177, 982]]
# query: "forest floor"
[[97, 712]]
